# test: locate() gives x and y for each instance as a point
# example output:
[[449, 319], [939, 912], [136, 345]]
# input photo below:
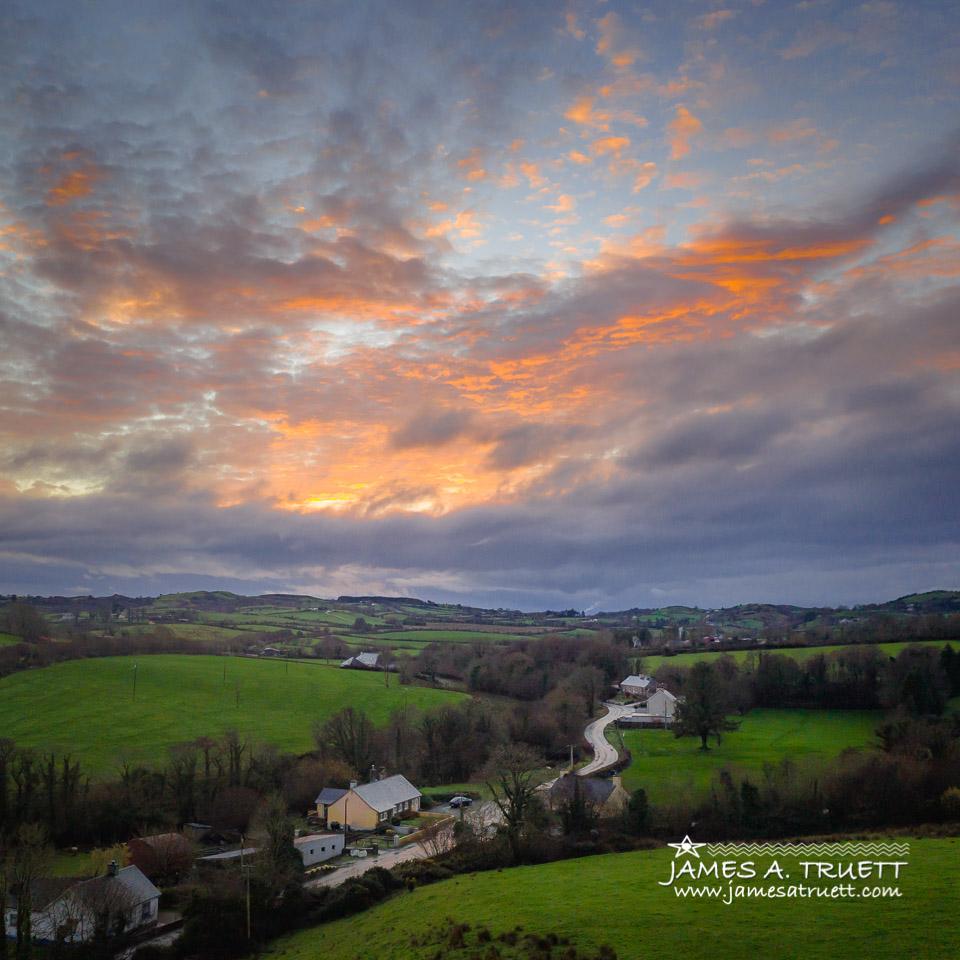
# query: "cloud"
[[564, 203], [305, 331], [684, 126], [710, 21], [431, 428]]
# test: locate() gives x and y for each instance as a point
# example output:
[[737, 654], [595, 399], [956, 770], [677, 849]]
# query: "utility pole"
[[245, 871]]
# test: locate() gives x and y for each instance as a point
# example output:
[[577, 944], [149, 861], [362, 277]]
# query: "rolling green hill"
[[617, 899], [88, 706]]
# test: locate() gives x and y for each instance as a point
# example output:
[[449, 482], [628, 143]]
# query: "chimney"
[[112, 868], [373, 775], [353, 784]]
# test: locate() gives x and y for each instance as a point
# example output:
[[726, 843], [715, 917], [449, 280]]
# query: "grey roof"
[[310, 837], [637, 681], [136, 882], [386, 794], [44, 891], [330, 795], [231, 854], [593, 790], [368, 660], [131, 879]]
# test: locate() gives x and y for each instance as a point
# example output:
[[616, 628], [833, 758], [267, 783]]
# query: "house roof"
[[330, 795], [386, 794], [44, 891], [91, 889], [299, 841], [666, 693], [637, 681], [231, 854], [135, 881], [593, 789]]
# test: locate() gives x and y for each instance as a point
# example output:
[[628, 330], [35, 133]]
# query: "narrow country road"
[[603, 753]]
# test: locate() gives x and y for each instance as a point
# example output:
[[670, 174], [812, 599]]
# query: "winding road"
[[603, 753]]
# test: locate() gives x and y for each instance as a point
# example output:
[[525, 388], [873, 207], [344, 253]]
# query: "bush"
[[950, 801]]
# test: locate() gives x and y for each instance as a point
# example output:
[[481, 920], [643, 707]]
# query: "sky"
[[526, 304]]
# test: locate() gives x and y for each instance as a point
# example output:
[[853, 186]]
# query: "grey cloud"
[[527, 443], [431, 428]]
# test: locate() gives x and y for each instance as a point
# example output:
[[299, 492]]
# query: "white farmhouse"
[[661, 705], [68, 910], [638, 686]]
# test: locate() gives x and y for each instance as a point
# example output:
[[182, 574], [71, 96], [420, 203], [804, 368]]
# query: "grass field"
[[8, 638], [87, 706], [671, 769], [798, 653], [617, 899], [450, 636]]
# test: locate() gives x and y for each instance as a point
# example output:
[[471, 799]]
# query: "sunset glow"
[[524, 304]]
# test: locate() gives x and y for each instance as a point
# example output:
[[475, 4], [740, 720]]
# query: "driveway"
[[387, 859], [603, 753]]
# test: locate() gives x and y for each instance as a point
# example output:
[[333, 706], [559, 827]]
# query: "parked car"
[[333, 825], [461, 802]]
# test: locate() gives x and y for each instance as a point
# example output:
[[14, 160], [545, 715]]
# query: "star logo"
[[686, 846]]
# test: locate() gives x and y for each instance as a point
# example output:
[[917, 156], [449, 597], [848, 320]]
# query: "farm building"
[[362, 661], [606, 797], [638, 685], [318, 847], [366, 805], [67, 909], [165, 856]]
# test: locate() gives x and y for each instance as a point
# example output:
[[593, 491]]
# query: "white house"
[[661, 704], [318, 847], [68, 909], [638, 685]]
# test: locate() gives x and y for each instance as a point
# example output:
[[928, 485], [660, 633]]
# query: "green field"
[[798, 653], [451, 636], [8, 638], [672, 769], [617, 899], [87, 706]]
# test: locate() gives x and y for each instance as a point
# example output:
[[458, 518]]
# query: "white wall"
[[318, 848]]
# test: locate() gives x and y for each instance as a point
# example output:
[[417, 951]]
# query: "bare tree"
[[4, 886], [30, 855], [348, 735], [436, 839], [509, 777]]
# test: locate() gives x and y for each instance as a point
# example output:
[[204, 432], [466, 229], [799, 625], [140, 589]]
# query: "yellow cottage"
[[364, 806]]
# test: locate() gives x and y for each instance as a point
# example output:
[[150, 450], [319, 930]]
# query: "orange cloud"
[[685, 125], [615, 43], [796, 130], [79, 183], [564, 203], [532, 172], [611, 145], [710, 21], [647, 172], [577, 157], [582, 112], [470, 167]]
